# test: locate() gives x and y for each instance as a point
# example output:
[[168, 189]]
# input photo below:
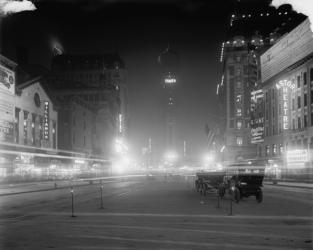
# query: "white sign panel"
[[291, 48], [7, 80]]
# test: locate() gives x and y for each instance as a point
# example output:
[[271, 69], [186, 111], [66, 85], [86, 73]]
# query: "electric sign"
[[285, 85], [46, 120]]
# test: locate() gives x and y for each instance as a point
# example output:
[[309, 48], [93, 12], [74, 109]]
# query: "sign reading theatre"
[[285, 85]]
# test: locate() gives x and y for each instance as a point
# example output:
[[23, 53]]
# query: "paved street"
[[150, 213]]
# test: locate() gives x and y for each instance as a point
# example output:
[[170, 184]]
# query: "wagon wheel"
[[259, 196]]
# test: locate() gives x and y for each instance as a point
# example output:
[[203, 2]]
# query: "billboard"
[[257, 116], [291, 48], [7, 80]]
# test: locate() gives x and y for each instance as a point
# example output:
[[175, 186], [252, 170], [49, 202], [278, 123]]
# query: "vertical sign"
[[46, 121], [257, 116], [285, 84]]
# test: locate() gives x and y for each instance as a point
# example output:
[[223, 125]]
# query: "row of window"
[[39, 130]]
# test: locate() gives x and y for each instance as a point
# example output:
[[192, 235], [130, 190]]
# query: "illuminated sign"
[[120, 123], [285, 85], [46, 121], [298, 155], [7, 80], [257, 116], [170, 80]]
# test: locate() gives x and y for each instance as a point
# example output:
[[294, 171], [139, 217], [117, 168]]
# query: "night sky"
[[139, 31]]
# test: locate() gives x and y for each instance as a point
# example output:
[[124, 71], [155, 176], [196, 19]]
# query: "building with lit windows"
[[287, 80], [252, 30], [28, 120]]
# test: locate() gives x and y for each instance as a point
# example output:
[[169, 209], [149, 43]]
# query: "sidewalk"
[[30, 187], [290, 184], [11, 189]]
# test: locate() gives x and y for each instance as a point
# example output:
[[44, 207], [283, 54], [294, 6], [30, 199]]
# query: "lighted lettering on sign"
[[46, 121], [170, 80], [285, 85]]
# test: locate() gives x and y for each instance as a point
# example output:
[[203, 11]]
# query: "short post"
[[101, 191], [72, 193], [231, 206]]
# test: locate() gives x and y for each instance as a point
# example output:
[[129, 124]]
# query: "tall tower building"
[[169, 61]]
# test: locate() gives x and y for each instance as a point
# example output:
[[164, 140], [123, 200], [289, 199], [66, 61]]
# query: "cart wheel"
[[259, 196], [204, 190]]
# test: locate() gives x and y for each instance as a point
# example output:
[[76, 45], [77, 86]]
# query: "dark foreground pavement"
[[155, 214]]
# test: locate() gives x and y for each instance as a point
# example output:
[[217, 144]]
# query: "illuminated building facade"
[[29, 120], [287, 79], [252, 30], [101, 81]]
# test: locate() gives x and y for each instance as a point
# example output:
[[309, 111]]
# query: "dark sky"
[[139, 31]]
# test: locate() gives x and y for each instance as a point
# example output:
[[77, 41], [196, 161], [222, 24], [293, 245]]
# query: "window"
[[304, 78], [274, 149], [281, 149], [298, 81], [267, 150], [299, 122], [273, 112], [231, 70], [238, 113], [238, 72], [305, 100], [238, 98], [311, 119], [293, 124], [238, 59], [305, 121], [293, 104], [239, 141], [311, 96], [311, 75], [305, 143], [84, 125], [84, 141], [299, 102], [238, 85], [239, 124], [246, 69]]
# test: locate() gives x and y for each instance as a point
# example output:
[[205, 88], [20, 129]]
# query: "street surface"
[[155, 213]]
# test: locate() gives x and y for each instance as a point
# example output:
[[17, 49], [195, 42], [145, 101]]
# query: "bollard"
[[72, 193], [231, 207], [101, 191]]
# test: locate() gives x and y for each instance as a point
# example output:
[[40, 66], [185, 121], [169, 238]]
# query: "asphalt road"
[[151, 214]]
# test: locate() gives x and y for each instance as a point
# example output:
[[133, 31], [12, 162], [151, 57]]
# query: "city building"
[[76, 125], [169, 62], [250, 33], [287, 83], [101, 81], [28, 119]]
